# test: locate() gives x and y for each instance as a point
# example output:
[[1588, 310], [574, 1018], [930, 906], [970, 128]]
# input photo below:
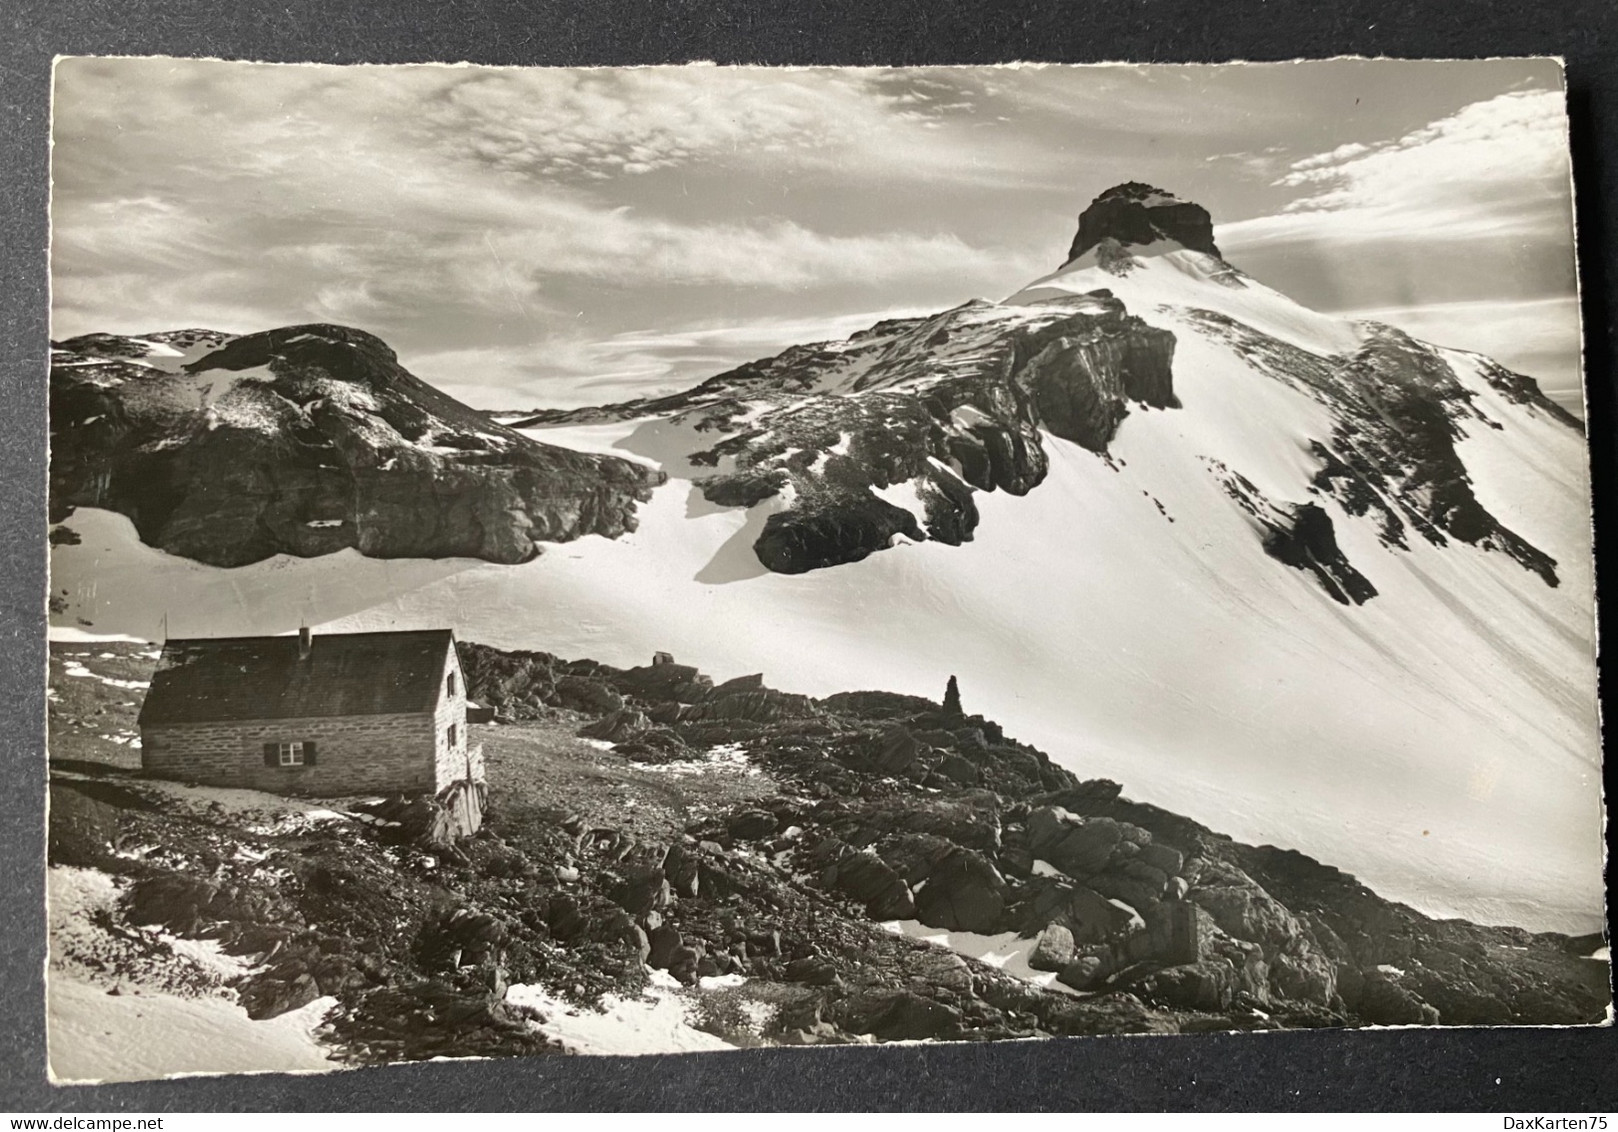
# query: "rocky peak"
[[1136, 213], [307, 440], [342, 351]]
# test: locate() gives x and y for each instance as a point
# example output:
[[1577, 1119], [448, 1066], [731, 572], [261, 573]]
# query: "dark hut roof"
[[222, 679]]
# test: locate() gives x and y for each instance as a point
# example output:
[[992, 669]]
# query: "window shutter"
[[271, 755], [308, 752]]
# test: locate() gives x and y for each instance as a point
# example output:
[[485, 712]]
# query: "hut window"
[[452, 735], [449, 685], [300, 752]]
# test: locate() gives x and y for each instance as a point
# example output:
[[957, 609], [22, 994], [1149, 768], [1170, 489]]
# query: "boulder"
[[1083, 797], [914, 856], [1130, 890], [663, 941], [564, 919], [1164, 858], [1085, 972], [899, 1016], [964, 893], [617, 726], [1244, 910], [1085, 913], [586, 695], [960, 770], [867, 879], [1304, 975], [897, 751], [812, 970], [1054, 951], [463, 938], [685, 960], [643, 888], [85, 819], [1381, 1001], [752, 825], [939, 969], [1208, 985], [269, 996], [1077, 846], [172, 900], [1155, 880], [681, 869], [667, 682], [1116, 1013]]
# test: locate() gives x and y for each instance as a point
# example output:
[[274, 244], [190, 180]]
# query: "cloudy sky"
[[534, 237]]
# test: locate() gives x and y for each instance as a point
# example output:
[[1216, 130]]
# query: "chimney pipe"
[[305, 642]]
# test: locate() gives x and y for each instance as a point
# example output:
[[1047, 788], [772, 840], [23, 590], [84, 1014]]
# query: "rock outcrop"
[[308, 440], [1397, 407], [1138, 214], [916, 416]]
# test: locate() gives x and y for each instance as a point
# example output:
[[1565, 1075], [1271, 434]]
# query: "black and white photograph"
[[557, 561]]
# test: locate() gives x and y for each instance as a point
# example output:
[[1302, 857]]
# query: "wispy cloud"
[[1495, 168], [459, 195]]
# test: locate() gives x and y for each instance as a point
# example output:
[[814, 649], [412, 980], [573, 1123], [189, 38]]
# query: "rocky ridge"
[[304, 441], [851, 447], [885, 437], [1392, 452]]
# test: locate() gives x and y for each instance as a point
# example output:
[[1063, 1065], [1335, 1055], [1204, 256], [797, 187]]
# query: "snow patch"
[[654, 1022], [76, 669], [730, 757], [1005, 952], [139, 1024]]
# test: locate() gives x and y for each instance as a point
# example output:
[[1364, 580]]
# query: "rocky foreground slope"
[[789, 907], [304, 441]]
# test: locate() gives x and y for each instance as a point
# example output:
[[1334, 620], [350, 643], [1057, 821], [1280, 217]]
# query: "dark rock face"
[[886, 437], [1135, 213], [305, 441], [856, 526], [1309, 542], [964, 893]]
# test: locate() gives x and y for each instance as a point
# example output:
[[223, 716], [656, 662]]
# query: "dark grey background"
[[1494, 1070]]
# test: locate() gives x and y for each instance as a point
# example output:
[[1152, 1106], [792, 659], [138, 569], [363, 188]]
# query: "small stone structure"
[[337, 714]]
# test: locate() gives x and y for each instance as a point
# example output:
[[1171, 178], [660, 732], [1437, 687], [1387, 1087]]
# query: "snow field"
[[125, 1028]]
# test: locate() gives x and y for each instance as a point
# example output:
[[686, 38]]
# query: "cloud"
[[602, 123], [469, 199], [1495, 168]]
